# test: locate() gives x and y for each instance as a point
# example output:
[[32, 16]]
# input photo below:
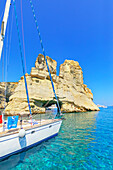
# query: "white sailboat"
[[25, 135]]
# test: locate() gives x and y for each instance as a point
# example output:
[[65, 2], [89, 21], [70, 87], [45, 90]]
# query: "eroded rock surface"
[[6, 90], [73, 95]]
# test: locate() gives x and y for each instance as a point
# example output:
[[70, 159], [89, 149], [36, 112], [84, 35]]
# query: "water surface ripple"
[[85, 141]]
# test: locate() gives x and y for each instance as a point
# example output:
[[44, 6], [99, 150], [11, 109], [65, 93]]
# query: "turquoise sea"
[[85, 141]]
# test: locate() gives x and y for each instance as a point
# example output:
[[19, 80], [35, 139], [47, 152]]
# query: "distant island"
[[73, 95], [103, 106]]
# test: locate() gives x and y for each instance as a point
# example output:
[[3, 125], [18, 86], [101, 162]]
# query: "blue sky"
[[78, 30]]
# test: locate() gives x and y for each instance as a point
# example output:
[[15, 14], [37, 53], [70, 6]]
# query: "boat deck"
[[26, 125]]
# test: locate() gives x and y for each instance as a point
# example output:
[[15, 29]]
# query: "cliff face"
[[10, 87], [73, 95]]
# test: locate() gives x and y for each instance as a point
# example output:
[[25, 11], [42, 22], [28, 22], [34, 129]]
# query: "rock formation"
[[73, 95], [9, 87]]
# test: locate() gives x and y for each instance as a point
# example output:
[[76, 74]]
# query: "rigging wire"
[[22, 60], [10, 36], [23, 37], [4, 71], [7, 57], [3, 63], [1, 15], [8, 46], [3, 81], [6, 67], [43, 50]]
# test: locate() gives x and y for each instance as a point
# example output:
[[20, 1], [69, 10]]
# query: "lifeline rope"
[[44, 52], [22, 60]]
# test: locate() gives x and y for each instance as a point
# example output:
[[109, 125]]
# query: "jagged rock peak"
[[71, 70], [40, 64], [40, 70]]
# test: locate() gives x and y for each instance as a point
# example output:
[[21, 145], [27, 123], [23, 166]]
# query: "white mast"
[[2, 35], [4, 24]]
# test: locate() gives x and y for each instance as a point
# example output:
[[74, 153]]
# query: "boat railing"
[[24, 121]]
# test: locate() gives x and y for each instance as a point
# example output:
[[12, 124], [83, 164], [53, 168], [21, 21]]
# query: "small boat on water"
[[17, 135], [52, 108]]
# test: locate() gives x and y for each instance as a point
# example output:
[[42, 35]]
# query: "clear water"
[[85, 141]]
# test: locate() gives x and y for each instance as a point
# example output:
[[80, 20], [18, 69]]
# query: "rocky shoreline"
[[74, 96]]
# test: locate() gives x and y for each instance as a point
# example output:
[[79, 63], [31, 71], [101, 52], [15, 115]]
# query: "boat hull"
[[12, 144]]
